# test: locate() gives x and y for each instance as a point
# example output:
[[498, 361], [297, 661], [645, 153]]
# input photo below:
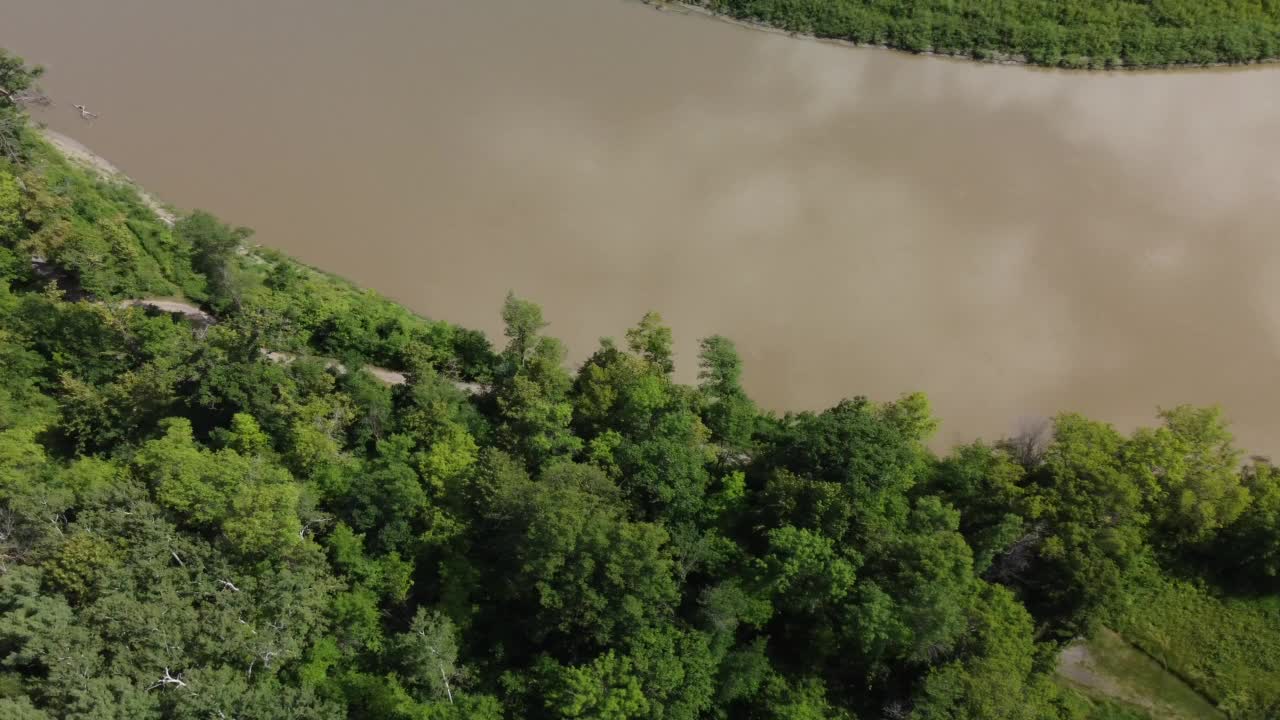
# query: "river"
[[1014, 242]]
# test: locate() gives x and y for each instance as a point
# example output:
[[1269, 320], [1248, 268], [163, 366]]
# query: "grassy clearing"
[[1107, 667], [1089, 707], [1227, 648]]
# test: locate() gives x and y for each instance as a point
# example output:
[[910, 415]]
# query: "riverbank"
[[776, 191], [76, 151], [253, 260], [802, 26]]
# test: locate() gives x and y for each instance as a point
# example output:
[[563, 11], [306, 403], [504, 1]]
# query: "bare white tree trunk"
[[447, 691]]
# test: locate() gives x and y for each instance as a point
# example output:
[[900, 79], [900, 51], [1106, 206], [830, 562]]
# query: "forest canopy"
[[1079, 33], [238, 518]]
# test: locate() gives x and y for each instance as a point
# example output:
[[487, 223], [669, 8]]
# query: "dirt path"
[[191, 313], [390, 377], [386, 375], [200, 318]]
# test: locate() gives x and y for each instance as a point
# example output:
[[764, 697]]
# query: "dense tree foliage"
[[1082, 33], [191, 527], [17, 80]]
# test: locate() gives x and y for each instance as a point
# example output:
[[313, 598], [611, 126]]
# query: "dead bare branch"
[[1029, 444], [167, 680]]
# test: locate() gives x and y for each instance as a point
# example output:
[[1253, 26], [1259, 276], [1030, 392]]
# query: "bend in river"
[[1013, 242]]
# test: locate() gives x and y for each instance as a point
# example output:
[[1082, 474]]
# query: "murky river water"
[[1013, 242]]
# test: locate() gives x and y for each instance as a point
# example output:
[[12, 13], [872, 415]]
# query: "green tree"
[[806, 571], [994, 674], [523, 324], [429, 656], [372, 400], [16, 79], [726, 409], [531, 389], [663, 674], [213, 250], [10, 207], [387, 499], [568, 572], [596, 576], [1252, 544], [929, 574], [875, 462], [1190, 474], [80, 562], [20, 708], [1086, 513], [620, 392], [802, 699], [665, 469], [263, 518], [252, 501], [607, 689], [988, 487], [651, 340], [227, 692]]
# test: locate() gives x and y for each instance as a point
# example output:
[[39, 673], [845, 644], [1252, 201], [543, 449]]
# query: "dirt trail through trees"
[[200, 318], [77, 152]]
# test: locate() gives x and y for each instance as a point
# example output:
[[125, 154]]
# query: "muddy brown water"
[[1012, 241]]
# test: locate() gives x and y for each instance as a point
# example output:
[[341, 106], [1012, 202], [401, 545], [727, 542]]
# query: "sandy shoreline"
[[76, 151]]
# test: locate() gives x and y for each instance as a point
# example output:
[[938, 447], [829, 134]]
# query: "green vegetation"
[[16, 83], [1109, 667], [1225, 646], [1082, 33], [191, 529], [1095, 708]]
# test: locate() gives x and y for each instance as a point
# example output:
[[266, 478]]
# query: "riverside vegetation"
[[189, 530], [1081, 33]]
